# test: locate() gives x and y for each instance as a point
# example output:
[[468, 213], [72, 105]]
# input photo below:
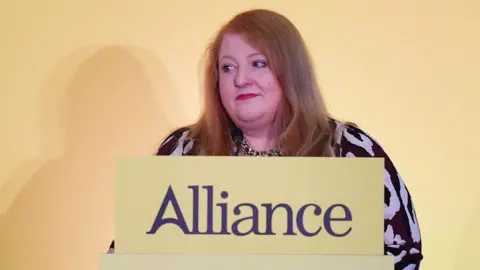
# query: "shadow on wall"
[[61, 217], [48, 125]]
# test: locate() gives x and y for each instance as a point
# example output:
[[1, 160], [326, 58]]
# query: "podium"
[[283, 213]]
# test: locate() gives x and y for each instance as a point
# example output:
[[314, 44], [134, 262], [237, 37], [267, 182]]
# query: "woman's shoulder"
[[353, 141], [177, 143]]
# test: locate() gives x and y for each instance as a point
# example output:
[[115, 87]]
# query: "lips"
[[246, 96]]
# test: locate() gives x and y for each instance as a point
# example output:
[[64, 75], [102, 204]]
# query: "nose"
[[242, 78]]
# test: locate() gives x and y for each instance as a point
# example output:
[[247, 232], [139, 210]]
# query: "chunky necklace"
[[249, 151]]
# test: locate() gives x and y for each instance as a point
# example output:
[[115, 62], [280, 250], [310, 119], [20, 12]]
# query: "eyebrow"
[[255, 54], [248, 56]]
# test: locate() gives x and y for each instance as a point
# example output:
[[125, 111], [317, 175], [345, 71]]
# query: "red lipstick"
[[246, 96]]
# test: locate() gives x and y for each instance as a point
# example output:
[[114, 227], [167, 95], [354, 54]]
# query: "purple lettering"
[[247, 215], [269, 216], [317, 211], [160, 220], [327, 220]]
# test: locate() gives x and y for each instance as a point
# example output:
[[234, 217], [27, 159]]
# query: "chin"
[[249, 116], [251, 120]]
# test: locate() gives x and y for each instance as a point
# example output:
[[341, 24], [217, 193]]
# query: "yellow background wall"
[[84, 81]]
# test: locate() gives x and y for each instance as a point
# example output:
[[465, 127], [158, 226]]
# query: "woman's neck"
[[261, 140]]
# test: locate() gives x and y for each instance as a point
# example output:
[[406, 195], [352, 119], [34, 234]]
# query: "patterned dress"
[[401, 231]]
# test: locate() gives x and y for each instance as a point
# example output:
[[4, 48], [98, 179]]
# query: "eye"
[[227, 68], [259, 64]]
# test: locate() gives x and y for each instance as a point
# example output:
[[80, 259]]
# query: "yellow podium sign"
[[244, 262], [244, 205]]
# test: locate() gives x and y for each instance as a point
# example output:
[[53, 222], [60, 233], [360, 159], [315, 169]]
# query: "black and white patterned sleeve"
[[401, 231]]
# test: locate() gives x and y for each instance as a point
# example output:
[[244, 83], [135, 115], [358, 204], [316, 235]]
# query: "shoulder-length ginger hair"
[[303, 118]]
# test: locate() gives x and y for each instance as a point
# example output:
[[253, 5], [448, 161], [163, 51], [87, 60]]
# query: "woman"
[[262, 99]]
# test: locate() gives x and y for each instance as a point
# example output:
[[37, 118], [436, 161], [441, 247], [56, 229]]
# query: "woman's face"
[[250, 92]]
